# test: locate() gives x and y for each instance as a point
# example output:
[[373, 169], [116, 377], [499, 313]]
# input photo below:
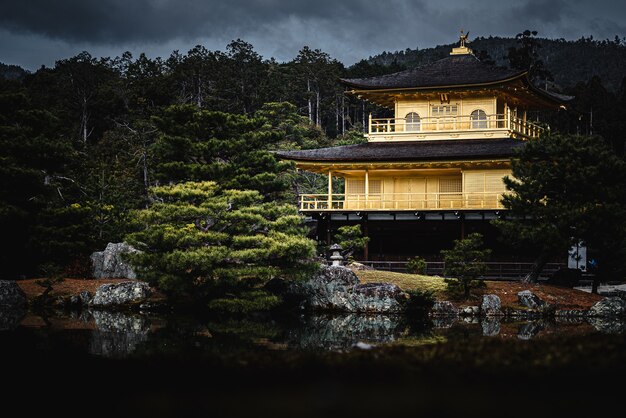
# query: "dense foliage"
[[416, 265], [351, 239], [82, 142], [464, 264], [568, 189], [203, 244]]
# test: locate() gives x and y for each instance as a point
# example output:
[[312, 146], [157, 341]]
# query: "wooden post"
[[367, 189], [330, 189], [369, 123], [508, 115], [366, 252]]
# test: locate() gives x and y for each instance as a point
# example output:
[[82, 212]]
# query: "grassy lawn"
[[405, 281], [564, 298]]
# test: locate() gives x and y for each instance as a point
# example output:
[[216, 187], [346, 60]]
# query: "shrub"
[[416, 265], [420, 300], [465, 263]]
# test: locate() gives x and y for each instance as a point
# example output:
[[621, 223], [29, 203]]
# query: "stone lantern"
[[336, 256]]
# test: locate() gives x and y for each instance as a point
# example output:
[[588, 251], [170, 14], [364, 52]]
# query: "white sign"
[[578, 257]]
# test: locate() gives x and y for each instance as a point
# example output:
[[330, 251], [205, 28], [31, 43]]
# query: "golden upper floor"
[[456, 97]]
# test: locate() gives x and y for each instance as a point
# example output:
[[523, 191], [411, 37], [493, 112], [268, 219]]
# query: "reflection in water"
[[10, 318], [117, 334], [530, 329], [345, 331], [490, 326], [123, 334], [608, 325]]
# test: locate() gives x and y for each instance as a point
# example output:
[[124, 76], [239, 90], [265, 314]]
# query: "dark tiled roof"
[[410, 151], [454, 70]]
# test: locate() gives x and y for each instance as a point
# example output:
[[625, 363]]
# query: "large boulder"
[[11, 296], [608, 307], [109, 264], [120, 295], [337, 288], [491, 305], [444, 308], [530, 300]]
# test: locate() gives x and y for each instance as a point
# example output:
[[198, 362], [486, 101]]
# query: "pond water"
[[123, 334], [305, 365]]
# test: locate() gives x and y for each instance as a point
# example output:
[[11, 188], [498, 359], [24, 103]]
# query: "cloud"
[[39, 31]]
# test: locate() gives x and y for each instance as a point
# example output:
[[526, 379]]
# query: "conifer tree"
[[218, 248]]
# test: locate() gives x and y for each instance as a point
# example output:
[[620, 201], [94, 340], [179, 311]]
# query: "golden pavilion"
[[433, 171]]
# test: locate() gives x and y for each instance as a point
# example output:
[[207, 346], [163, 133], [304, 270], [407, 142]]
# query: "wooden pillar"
[[508, 115], [330, 189], [328, 228], [366, 250], [367, 189], [462, 227]]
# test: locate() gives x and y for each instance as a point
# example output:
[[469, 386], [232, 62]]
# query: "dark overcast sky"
[[35, 32]]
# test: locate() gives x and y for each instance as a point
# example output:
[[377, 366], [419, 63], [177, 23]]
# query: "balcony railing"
[[400, 201], [397, 128]]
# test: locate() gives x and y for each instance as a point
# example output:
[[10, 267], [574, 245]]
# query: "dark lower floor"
[[399, 236]]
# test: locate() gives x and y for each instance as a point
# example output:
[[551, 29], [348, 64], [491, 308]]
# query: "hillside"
[[11, 72], [569, 61]]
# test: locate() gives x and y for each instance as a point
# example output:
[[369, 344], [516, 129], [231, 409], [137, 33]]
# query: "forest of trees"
[[83, 142]]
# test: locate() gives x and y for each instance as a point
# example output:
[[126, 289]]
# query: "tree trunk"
[[308, 89], [595, 284], [536, 269], [343, 114], [317, 108]]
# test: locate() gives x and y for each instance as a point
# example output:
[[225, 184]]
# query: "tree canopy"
[[566, 189], [205, 244]]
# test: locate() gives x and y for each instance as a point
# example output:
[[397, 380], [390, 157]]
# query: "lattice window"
[[444, 110], [494, 183], [376, 187], [354, 186], [450, 185]]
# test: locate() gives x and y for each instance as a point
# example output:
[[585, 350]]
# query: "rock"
[[120, 295], [470, 311], [108, 264], [80, 299], [363, 346], [358, 266], [528, 330], [530, 300], [85, 297], [337, 288], [608, 307], [11, 296], [490, 326], [444, 308], [378, 297], [523, 313], [491, 305]]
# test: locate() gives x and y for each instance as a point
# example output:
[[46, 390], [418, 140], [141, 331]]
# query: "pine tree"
[[464, 264], [567, 189], [218, 248]]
